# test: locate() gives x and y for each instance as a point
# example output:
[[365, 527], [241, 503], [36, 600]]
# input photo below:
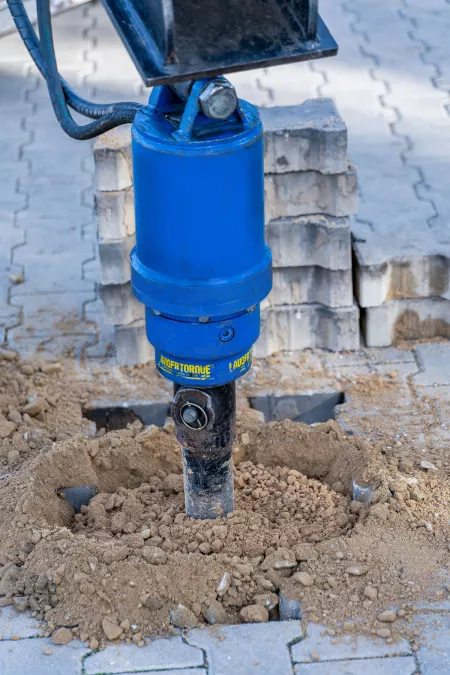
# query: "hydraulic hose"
[[109, 115]]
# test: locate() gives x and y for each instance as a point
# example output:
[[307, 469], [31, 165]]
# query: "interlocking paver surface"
[[256, 648], [161, 654], [27, 657]]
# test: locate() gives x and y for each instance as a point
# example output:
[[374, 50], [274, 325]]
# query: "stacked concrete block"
[[116, 235], [311, 190], [403, 287]]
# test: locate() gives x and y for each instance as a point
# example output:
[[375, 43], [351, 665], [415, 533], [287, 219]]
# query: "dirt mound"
[[131, 564]]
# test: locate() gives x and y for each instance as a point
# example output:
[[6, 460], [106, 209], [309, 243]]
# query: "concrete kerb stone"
[[310, 136], [310, 240], [296, 327], [301, 193], [406, 319], [132, 345], [424, 276], [309, 285], [115, 214], [120, 305], [115, 260], [112, 155]]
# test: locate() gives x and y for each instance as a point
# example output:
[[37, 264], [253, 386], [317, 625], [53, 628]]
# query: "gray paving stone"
[[27, 658], [434, 650], [303, 193], [309, 136], [52, 315], [115, 260], [307, 285], [295, 327], [397, 665], [406, 319], [434, 364], [248, 648], [347, 647], [17, 625], [310, 240], [161, 654]]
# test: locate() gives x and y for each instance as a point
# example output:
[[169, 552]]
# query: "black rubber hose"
[[81, 105], [56, 92]]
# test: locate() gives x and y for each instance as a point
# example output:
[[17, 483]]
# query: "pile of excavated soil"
[[131, 564]]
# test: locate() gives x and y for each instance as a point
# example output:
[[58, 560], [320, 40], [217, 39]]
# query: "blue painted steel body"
[[200, 251]]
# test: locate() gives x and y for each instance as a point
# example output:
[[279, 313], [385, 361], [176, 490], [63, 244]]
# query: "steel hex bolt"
[[218, 100]]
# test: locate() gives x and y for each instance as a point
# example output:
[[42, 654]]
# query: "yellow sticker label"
[[193, 371], [242, 363]]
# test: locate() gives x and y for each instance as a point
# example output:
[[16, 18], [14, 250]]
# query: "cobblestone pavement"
[[391, 84]]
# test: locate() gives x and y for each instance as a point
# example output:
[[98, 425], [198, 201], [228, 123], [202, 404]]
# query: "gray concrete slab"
[[14, 625], [163, 654], [40, 657], [248, 648], [434, 651], [343, 648], [398, 665]]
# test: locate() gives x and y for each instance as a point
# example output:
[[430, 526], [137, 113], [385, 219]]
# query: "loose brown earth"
[[131, 564]]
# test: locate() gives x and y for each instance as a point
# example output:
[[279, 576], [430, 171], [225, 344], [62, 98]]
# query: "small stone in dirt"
[[379, 511], [314, 656], [153, 602], [416, 495], [6, 428], [383, 633], [214, 613], [8, 355], [428, 465], [357, 571], [305, 552], [371, 592], [254, 614], [94, 644], [348, 626], [388, 616], [13, 457], [267, 600], [111, 628], [303, 578], [205, 548], [224, 585], [51, 368], [20, 603], [35, 407], [154, 555], [146, 533], [182, 617], [62, 636], [47, 652]]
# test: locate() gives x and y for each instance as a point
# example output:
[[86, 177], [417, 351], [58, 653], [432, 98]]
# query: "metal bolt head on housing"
[[218, 100]]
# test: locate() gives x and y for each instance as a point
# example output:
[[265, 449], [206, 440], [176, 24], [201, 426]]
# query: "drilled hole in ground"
[[306, 408], [311, 408]]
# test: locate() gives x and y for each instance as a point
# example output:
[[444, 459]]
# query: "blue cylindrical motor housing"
[[200, 264]]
